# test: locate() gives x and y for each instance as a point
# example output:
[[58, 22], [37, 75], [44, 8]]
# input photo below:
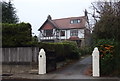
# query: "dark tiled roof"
[[64, 23], [46, 23]]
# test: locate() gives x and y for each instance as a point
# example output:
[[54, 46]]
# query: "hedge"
[[63, 50], [14, 35]]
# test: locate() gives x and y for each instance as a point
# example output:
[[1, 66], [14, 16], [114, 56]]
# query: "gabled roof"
[[64, 23], [48, 21]]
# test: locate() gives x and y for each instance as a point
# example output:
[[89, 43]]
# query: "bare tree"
[[106, 15]]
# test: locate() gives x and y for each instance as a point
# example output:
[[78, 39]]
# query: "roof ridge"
[[68, 18]]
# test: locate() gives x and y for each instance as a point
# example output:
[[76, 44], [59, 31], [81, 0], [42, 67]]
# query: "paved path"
[[76, 68], [74, 71]]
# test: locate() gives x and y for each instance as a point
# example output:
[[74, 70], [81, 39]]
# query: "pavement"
[[73, 71]]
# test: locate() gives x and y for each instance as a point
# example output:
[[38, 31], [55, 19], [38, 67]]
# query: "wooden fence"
[[26, 55], [20, 54]]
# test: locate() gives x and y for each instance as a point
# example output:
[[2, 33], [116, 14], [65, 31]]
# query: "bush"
[[117, 60], [85, 50], [71, 50], [14, 35], [106, 49], [63, 50]]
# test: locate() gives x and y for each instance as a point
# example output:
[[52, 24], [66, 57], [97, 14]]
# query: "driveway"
[[72, 71], [76, 68]]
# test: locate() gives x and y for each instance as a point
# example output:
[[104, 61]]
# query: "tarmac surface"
[[75, 71]]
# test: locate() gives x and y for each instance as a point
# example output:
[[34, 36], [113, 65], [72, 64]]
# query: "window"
[[48, 32], [75, 21], [62, 33], [74, 32]]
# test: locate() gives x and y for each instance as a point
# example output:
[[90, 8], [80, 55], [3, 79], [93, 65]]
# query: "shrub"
[[106, 48], [71, 50], [63, 50], [85, 50], [106, 59], [117, 60], [14, 35]]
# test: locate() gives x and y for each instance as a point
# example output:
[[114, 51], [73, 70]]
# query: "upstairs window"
[[75, 21], [48, 33], [74, 32]]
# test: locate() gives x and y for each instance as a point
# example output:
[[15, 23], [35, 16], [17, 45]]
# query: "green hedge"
[[14, 35], [63, 50], [86, 50]]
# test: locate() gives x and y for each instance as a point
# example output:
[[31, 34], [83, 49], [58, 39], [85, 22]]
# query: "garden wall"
[[20, 54]]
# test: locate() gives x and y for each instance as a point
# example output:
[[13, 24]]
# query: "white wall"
[[67, 34], [81, 33]]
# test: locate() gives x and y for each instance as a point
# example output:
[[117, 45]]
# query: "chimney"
[[49, 17], [86, 12]]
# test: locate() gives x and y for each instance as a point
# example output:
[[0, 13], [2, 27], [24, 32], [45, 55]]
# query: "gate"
[[50, 61]]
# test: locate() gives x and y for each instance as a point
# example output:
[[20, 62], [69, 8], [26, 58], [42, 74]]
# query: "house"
[[72, 28]]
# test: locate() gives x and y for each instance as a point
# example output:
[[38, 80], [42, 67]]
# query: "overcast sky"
[[35, 12]]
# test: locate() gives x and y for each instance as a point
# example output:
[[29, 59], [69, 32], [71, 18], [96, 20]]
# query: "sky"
[[35, 12]]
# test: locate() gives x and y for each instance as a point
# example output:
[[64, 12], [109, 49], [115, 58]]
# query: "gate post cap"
[[95, 50], [42, 52]]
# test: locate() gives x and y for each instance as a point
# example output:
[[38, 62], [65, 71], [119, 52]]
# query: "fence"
[[20, 54], [26, 55]]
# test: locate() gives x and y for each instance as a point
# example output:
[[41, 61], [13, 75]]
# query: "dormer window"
[[75, 21]]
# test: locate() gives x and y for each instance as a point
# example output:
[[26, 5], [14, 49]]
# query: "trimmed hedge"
[[63, 50], [15, 35], [86, 50]]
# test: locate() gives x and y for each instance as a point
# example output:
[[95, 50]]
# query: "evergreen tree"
[[8, 13]]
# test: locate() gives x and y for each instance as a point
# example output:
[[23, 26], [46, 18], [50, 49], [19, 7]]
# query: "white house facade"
[[72, 29]]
